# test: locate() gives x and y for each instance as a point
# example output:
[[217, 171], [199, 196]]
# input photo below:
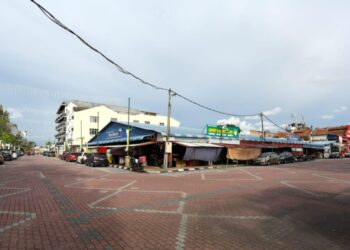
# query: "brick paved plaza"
[[46, 203]]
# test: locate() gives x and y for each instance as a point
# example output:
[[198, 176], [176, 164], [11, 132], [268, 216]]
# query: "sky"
[[241, 57]]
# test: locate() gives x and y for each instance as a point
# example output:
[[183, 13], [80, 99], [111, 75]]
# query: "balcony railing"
[[60, 134], [61, 117], [60, 125]]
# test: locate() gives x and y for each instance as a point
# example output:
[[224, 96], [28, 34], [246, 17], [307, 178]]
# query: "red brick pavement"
[[46, 203]]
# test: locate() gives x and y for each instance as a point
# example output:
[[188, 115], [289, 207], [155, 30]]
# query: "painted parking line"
[[332, 178], [41, 175], [205, 175], [17, 191], [93, 204], [28, 217], [71, 185], [253, 175], [288, 184]]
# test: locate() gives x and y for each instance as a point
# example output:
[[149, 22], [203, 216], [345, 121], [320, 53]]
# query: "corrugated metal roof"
[[101, 142], [197, 145], [268, 139], [179, 132]]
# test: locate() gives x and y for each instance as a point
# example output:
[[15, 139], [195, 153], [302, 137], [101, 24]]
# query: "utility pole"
[[98, 128], [127, 158], [167, 148], [262, 125], [81, 135]]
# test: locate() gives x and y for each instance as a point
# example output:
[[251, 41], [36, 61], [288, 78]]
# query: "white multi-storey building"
[[78, 121]]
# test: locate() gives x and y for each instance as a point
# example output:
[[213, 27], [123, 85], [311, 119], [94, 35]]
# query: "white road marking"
[[253, 175], [42, 176], [233, 217], [86, 180], [20, 190], [180, 209], [332, 178], [28, 217], [283, 169], [181, 234], [300, 189], [91, 205]]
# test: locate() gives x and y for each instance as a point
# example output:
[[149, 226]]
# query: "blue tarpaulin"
[[116, 133]]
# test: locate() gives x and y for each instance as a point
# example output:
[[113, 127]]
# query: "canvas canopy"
[[243, 154], [201, 151]]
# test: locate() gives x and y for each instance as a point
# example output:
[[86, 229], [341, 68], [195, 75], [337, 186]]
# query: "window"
[[147, 122], [72, 129], [94, 119], [136, 121], [93, 131], [161, 124]]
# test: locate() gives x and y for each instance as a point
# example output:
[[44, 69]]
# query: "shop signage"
[[293, 137], [229, 131], [229, 142], [347, 134]]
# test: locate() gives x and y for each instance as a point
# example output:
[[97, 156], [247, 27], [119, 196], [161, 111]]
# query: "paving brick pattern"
[[46, 203]]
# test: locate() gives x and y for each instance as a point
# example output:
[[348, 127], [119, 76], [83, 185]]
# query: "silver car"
[[268, 158]]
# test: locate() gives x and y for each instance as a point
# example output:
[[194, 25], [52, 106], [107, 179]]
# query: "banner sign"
[[223, 131]]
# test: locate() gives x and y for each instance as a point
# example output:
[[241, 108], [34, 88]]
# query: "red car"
[[64, 155], [72, 156]]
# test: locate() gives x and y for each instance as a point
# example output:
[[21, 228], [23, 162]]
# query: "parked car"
[[72, 156], [96, 159], [347, 155], [45, 153], [309, 157], [14, 155], [64, 155], [86, 155], [1, 159], [7, 155], [287, 157], [268, 159], [334, 154], [51, 154], [19, 153], [82, 158]]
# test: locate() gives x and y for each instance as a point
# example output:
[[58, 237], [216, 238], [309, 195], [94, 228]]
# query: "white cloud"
[[15, 113], [271, 112], [246, 127], [243, 125], [340, 109], [327, 116]]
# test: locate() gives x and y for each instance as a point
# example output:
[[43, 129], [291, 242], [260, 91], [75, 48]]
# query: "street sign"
[[223, 131]]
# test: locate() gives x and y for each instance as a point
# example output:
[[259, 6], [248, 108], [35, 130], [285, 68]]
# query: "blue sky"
[[242, 57]]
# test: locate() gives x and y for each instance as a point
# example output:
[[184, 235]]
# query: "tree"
[[9, 133], [28, 146]]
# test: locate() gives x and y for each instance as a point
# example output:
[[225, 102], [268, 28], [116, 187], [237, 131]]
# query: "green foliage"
[[6, 134]]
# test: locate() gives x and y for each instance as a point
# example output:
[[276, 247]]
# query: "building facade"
[[77, 121]]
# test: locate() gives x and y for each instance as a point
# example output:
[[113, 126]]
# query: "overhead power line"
[[51, 17], [120, 68], [274, 123], [211, 109]]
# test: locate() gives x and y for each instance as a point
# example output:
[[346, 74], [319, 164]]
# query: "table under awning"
[[120, 149], [201, 151]]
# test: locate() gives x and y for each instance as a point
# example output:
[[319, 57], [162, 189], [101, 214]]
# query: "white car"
[[81, 158], [14, 155]]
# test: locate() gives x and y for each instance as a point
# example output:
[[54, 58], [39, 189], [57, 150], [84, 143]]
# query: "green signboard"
[[230, 131]]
